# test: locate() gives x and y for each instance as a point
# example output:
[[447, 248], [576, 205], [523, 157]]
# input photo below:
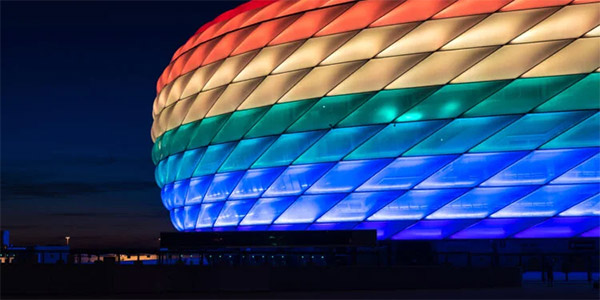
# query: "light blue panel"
[[233, 212], [548, 201], [357, 206], [337, 143], [266, 210], [531, 131], [584, 134], [481, 202], [416, 204], [540, 167], [308, 208], [460, 135], [208, 214], [495, 228], [180, 189], [384, 229], [470, 170], [177, 216], [255, 182], [222, 185], [213, 158], [167, 195], [173, 163], [594, 233], [191, 216], [189, 162], [394, 139], [560, 228], [296, 179], [197, 189], [345, 176], [405, 172], [586, 172], [432, 229], [589, 207], [287, 148], [245, 153], [160, 173]]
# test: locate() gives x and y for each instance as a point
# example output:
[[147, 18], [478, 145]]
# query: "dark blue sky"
[[77, 85]]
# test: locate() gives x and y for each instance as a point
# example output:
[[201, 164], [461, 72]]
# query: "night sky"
[[78, 81]]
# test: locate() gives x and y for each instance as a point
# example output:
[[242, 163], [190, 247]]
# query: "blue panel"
[[540, 167], [222, 185], [208, 214], [189, 162], [586, 172], [548, 201], [167, 196], [496, 228], [432, 229], [233, 212], [213, 158], [416, 204], [180, 189], [481, 202], [197, 189], [345, 176], [287, 148], [255, 182], [288, 227], [245, 153], [405, 172], [177, 216], [191, 216], [296, 179], [357, 206], [266, 210], [560, 228], [589, 207], [470, 170], [308, 208], [384, 229], [173, 163], [594, 233], [584, 134], [332, 226]]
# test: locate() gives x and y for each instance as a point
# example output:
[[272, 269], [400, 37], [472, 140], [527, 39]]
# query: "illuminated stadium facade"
[[422, 119]]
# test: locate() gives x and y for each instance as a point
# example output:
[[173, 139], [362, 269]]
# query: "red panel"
[[250, 5], [163, 78], [264, 34], [269, 12], [301, 6], [227, 44], [334, 2], [178, 66], [411, 11], [359, 16], [527, 4], [236, 22], [471, 7], [308, 24]]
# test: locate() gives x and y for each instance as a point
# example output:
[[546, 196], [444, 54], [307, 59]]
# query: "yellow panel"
[[178, 87], [154, 131], [570, 22], [233, 95], [431, 35], [581, 56], [313, 51], [202, 103], [510, 61], [272, 88], [267, 60], [593, 32], [377, 73], [368, 43], [500, 28], [229, 69], [199, 79], [163, 119], [162, 96], [180, 109], [320, 81], [440, 67]]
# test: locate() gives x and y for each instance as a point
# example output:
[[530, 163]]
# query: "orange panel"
[[177, 68], [268, 12], [526, 4], [335, 2], [198, 55], [236, 22], [302, 6], [412, 10], [308, 24], [584, 1], [359, 16], [227, 44], [209, 33], [264, 33], [471, 7]]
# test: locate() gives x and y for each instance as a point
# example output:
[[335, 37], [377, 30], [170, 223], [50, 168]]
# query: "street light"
[[67, 238]]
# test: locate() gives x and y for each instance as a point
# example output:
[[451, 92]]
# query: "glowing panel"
[[279, 118], [208, 214], [222, 185], [266, 60], [578, 57], [287, 148], [585, 91], [527, 4], [271, 89], [360, 15], [586, 172], [239, 123], [583, 134], [559, 228], [308, 208], [495, 228], [245, 153], [166, 195], [296, 179], [255, 182], [263, 34], [177, 218], [594, 233], [416, 204], [471, 7], [234, 94], [589, 207], [266, 210], [412, 10], [332, 226], [233, 212], [384, 229], [213, 158], [189, 161], [190, 217], [206, 130], [357, 206], [197, 189], [202, 103], [345, 176], [432, 229], [229, 69], [180, 189]]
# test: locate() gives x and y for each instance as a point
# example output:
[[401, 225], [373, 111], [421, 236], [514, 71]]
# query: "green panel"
[[206, 130], [245, 153], [337, 143], [522, 95], [584, 134], [213, 158], [531, 131], [287, 148], [328, 112], [279, 118], [167, 138], [386, 106], [240, 122], [189, 162], [396, 138], [451, 100], [460, 135], [181, 138], [584, 94], [157, 150]]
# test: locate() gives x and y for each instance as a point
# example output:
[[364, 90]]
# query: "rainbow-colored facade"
[[467, 119]]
